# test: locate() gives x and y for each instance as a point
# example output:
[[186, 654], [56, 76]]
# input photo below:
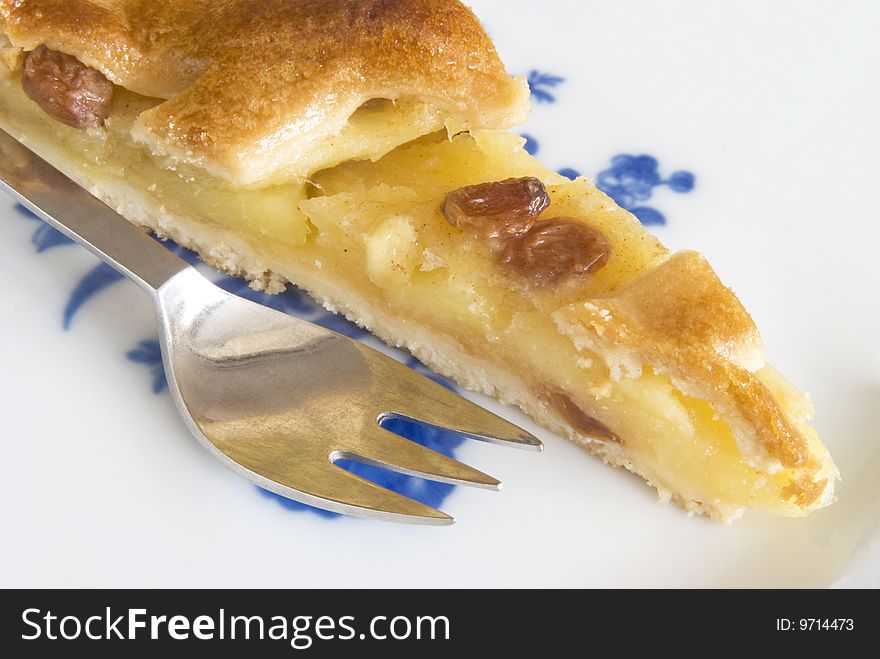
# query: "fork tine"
[[327, 486], [423, 400], [381, 448]]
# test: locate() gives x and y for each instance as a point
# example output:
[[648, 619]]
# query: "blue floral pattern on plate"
[[149, 353], [630, 181], [539, 83], [45, 237]]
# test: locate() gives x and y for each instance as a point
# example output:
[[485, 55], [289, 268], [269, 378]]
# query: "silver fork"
[[276, 398]]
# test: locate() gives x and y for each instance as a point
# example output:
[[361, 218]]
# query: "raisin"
[[376, 104], [497, 209], [580, 420], [67, 89], [556, 249]]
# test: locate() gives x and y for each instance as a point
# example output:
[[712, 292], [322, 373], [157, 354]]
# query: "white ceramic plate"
[[756, 127]]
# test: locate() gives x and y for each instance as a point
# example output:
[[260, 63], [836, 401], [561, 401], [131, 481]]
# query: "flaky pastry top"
[[679, 319], [248, 85]]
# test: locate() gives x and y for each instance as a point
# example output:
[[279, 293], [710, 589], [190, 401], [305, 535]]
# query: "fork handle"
[[83, 218]]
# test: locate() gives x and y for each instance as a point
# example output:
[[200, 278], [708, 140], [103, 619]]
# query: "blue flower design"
[[631, 180], [187, 255], [45, 237], [430, 493], [95, 281], [292, 301], [295, 302], [538, 84], [99, 277], [420, 368], [149, 353], [531, 145], [337, 323]]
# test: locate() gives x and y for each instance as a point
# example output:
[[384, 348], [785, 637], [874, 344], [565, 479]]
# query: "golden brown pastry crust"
[[680, 320], [250, 82]]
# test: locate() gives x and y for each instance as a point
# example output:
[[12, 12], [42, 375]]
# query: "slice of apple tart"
[[356, 148]]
